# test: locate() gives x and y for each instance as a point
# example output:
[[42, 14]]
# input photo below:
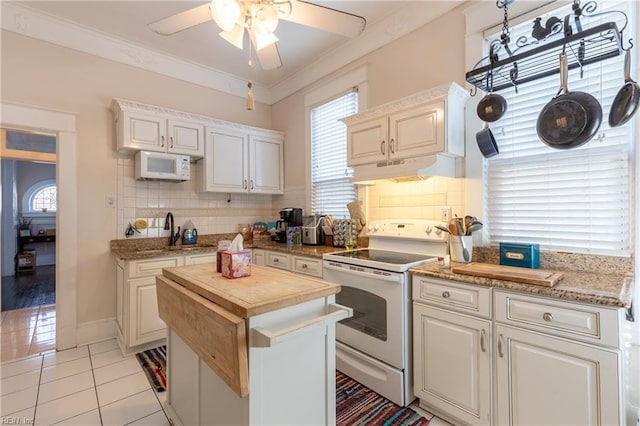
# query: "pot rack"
[[531, 60]]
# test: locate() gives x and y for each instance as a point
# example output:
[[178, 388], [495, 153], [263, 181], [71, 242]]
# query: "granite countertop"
[[149, 248], [609, 289]]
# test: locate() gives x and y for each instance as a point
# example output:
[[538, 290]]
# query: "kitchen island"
[[252, 350]]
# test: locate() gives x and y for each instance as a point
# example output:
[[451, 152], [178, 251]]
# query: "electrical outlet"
[[445, 215]]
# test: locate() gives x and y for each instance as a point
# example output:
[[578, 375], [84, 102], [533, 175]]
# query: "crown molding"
[[28, 22]]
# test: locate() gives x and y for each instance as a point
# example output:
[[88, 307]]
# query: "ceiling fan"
[[260, 18]]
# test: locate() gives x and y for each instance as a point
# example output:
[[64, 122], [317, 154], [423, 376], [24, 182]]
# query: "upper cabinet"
[[403, 136], [150, 128], [242, 159]]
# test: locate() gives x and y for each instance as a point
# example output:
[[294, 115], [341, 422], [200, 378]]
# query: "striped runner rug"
[[154, 365], [359, 405]]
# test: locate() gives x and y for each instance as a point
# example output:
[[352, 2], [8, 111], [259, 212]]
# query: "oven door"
[[377, 299]]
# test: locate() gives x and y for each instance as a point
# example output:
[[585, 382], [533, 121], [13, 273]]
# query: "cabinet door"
[[277, 260], [367, 141], [186, 138], [307, 266], [417, 131], [145, 324], [258, 257], [225, 167], [266, 174], [452, 363], [144, 132], [547, 380]]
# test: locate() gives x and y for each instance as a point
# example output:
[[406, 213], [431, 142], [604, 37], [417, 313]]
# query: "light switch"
[[110, 201]]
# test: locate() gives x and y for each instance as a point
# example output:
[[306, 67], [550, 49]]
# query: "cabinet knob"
[[446, 294], [275, 260], [171, 141], [304, 266], [244, 184], [482, 336], [547, 316], [391, 150], [251, 183], [500, 346], [382, 148], [162, 141]]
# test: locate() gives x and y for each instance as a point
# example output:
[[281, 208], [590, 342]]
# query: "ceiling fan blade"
[[325, 18], [181, 21], [269, 56]]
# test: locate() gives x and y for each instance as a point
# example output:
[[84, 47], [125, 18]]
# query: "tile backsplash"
[[211, 213]]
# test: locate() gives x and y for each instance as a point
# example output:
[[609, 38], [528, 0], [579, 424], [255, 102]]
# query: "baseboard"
[[96, 331]]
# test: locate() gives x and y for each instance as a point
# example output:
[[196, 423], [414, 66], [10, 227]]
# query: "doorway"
[[63, 126], [28, 243]]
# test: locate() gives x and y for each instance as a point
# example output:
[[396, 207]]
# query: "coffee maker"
[[290, 216]]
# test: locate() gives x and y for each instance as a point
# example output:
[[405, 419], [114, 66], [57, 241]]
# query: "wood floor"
[[27, 290]]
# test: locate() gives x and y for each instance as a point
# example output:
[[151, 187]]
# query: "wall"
[[426, 58], [38, 73]]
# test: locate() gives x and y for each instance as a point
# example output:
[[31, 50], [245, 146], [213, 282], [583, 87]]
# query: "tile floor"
[[28, 331], [88, 385]]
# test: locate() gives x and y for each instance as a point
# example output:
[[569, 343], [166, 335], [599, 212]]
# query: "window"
[[331, 187], [575, 200], [41, 198]]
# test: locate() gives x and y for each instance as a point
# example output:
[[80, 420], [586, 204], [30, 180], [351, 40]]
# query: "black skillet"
[[625, 104], [493, 106], [570, 119]]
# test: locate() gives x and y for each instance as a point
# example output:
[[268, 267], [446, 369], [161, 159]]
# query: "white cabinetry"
[[543, 378], [138, 323], [289, 262], [555, 362], [145, 127], [401, 137], [240, 160], [452, 349]]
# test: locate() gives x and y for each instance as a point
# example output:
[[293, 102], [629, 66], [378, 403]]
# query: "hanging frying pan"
[[570, 119], [493, 106], [625, 104]]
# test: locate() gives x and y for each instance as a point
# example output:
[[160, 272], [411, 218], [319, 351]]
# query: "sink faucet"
[[168, 226]]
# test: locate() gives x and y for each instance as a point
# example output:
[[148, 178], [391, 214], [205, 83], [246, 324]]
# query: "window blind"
[[575, 200], [331, 187]]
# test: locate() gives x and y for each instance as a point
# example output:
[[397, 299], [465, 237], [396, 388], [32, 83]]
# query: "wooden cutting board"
[[541, 277]]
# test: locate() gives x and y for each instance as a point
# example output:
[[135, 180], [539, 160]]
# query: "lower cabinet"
[[486, 356], [139, 326], [289, 262]]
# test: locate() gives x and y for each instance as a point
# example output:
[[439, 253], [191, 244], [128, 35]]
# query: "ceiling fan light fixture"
[[225, 13], [264, 18], [264, 40], [235, 36]]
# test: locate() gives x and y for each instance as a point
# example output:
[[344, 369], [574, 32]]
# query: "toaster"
[[313, 235]]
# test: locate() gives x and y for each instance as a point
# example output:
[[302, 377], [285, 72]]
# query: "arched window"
[[41, 198]]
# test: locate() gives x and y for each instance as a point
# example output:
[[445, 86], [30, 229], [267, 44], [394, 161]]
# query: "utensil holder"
[[455, 248]]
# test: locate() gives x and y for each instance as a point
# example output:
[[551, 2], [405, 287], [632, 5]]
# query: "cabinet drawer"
[[196, 259], [308, 266], [451, 294], [589, 323], [145, 268], [278, 260]]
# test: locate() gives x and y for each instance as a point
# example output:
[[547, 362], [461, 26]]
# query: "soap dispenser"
[[190, 234]]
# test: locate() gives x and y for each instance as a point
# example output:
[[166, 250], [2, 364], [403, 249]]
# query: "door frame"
[[63, 125]]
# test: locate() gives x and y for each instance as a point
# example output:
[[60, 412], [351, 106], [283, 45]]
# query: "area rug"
[[359, 405], [154, 365]]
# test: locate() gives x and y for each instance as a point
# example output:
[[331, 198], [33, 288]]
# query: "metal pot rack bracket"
[[531, 60]]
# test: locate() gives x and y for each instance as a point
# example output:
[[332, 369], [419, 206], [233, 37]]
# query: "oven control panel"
[[409, 229]]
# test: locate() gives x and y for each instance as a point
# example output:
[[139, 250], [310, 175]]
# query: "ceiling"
[[300, 46]]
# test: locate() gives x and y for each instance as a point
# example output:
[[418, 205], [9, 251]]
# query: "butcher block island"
[[249, 351]]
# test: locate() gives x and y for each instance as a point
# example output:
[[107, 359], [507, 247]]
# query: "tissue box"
[[236, 264], [522, 255]]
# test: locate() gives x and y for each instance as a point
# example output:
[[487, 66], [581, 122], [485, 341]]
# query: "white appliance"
[[374, 345], [161, 166]]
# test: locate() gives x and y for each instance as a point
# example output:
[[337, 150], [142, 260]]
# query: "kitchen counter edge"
[[613, 290]]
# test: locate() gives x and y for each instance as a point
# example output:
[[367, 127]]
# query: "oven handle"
[[394, 277], [262, 338]]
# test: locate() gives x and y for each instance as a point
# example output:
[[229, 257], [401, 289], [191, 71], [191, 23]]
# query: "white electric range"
[[374, 346]]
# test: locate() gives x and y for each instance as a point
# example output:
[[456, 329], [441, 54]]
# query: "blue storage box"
[[518, 254]]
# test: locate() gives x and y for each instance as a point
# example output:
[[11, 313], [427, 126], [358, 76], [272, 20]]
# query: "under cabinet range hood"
[[412, 138]]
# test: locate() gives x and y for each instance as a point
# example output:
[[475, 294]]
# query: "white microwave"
[[161, 166]]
